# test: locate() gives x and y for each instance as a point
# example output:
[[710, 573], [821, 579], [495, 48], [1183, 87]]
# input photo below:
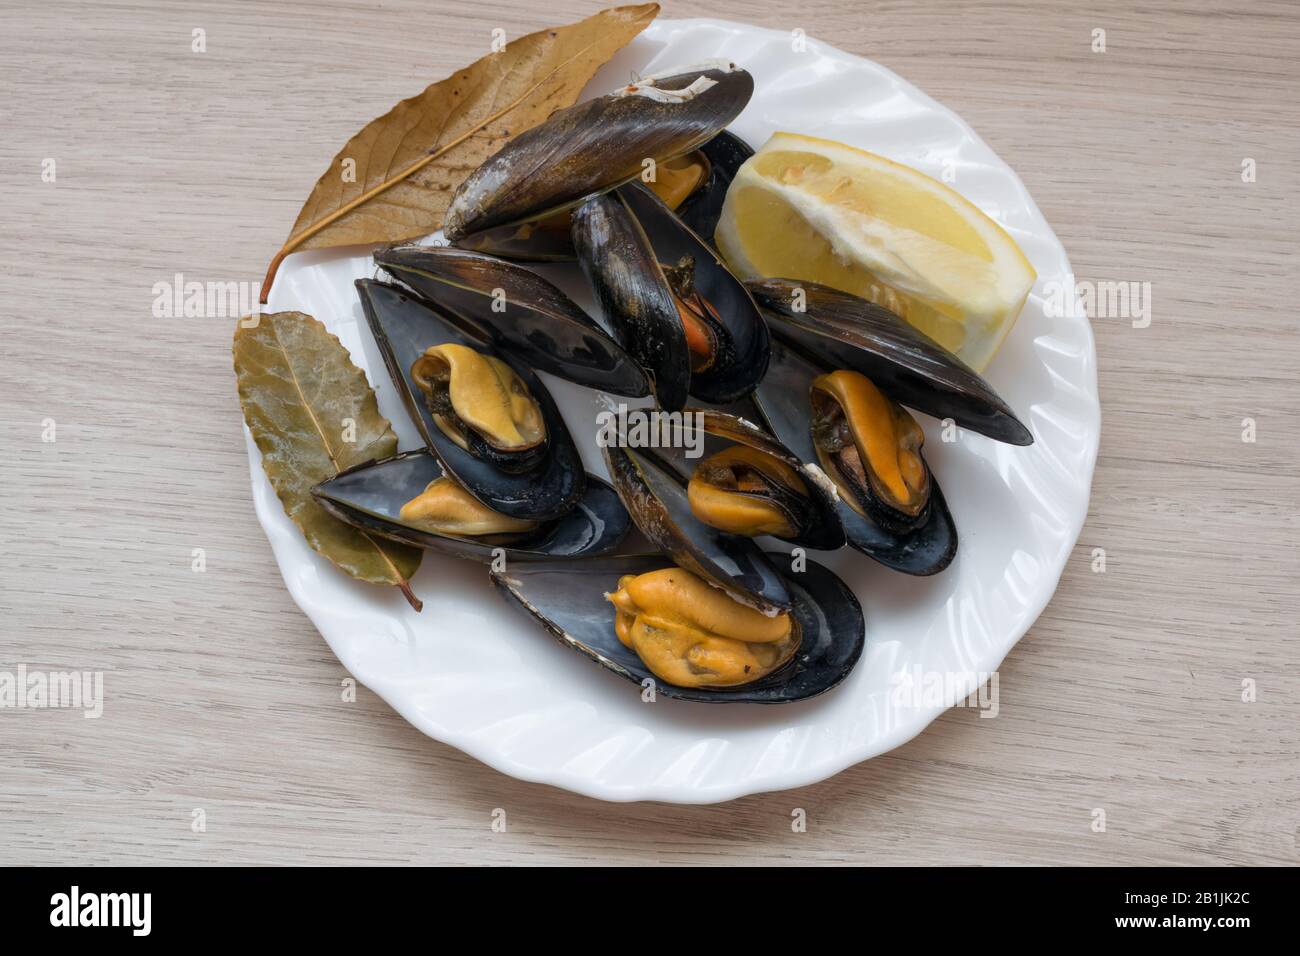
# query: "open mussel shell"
[[633, 294], [742, 360], [782, 400], [844, 331], [523, 312], [370, 497], [595, 146], [725, 154], [404, 326], [824, 531], [624, 239], [654, 494], [569, 601]]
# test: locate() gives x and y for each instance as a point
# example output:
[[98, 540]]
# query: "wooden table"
[[1126, 696]]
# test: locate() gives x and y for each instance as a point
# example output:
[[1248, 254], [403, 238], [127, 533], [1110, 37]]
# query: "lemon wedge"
[[812, 209]]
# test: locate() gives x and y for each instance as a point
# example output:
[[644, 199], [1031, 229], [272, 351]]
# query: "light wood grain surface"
[[1125, 696]]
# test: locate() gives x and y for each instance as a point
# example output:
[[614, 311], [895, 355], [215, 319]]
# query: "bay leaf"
[[395, 178], [313, 413]]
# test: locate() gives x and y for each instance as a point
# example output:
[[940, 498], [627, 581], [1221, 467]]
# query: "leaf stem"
[[415, 602]]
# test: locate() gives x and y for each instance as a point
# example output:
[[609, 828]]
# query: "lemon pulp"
[[811, 209]]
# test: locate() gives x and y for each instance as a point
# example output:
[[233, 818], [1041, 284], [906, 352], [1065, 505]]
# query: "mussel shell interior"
[[655, 496], [782, 400], [744, 363], [371, 496], [844, 331], [537, 321], [701, 210], [570, 603], [404, 326], [535, 240]]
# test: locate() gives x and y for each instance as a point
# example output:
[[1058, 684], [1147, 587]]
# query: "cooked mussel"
[[669, 299], [753, 485], [743, 491], [693, 646], [681, 178], [871, 448], [444, 507], [695, 185], [409, 498], [702, 206], [843, 331], [510, 203], [488, 438], [637, 303], [889, 504], [481, 403], [703, 511], [654, 493], [524, 313], [692, 634]]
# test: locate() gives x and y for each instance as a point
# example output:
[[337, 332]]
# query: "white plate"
[[473, 672]]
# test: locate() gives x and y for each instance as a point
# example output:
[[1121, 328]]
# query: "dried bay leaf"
[[313, 414], [408, 162]]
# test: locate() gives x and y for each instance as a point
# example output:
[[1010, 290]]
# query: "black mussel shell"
[[624, 239], [827, 531], [633, 294], [743, 359], [528, 315], [404, 326], [594, 146], [782, 400], [570, 603], [701, 210], [842, 330], [924, 551], [534, 240], [654, 494], [371, 496]]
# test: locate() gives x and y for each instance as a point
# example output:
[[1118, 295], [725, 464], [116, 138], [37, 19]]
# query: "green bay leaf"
[[313, 414]]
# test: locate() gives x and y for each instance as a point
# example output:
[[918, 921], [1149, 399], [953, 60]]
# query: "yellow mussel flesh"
[[467, 390], [444, 507], [743, 491], [870, 446], [694, 635]]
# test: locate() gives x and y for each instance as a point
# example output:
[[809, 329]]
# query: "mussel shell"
[[701, 210], [654, 494], [633, 294], [783, 403], [591, 147], [842, 330], [538, 322], [742, 367], [404, 326], [535, 240], [569, 601], [371, 496], [828, 532], [622, 239], [548, 239]]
